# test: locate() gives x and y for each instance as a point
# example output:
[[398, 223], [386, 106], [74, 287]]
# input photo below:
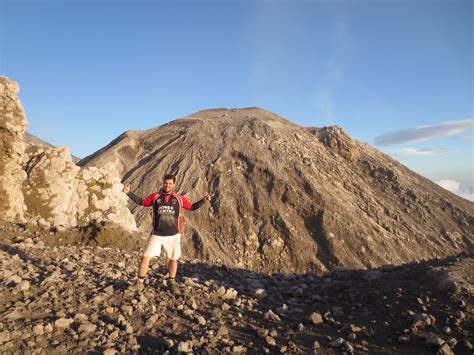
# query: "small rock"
[[109, 290], [63, 323], [355, 329], [337, 342], [316, 318], [460, 315], [188, 312], [221, 291], [351, 336], [433, 340], [239, 349], [38, 329], [4, 336], [452, 342], [87, 328], [269, 315], [421, 319], [404, 339], [270, 340], [316, 345], [185, 346], [24, 285], [168, 342], [444, 350], [230, 294], [348, 347], [80, 317], [222, 331], [109, 351]]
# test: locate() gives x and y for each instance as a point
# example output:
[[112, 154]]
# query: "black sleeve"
[[134, 198], [196, 205]]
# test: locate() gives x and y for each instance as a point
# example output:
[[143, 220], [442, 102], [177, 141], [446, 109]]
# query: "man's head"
[[168, 183]]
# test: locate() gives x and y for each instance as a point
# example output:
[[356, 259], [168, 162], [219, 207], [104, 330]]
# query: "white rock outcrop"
[[12, 128], [44, 185], [59, 193]]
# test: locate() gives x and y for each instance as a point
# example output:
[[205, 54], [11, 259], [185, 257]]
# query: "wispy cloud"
[[423, 133], [422, 151], [456, 188], [465, 138]]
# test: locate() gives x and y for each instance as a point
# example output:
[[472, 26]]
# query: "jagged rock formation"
[[289, 198], [12, 127], [44, 186], [59, 193], [81, 299]]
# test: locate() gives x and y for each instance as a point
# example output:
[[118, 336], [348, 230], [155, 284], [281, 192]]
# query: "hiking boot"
[[173, 287]]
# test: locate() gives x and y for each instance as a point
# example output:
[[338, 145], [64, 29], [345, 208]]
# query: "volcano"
[[287, 198]]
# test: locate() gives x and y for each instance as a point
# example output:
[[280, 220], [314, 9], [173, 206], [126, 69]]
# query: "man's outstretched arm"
[[137, 199], [196, 205]]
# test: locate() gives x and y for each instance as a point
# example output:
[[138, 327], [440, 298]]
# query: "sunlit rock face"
[[59, 193], [43, 185], [12, 128]]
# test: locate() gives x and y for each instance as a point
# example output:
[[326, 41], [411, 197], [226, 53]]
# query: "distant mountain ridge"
[[32, 140], [290, 198]]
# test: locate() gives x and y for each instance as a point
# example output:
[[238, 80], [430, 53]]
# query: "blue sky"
[[90, 70]]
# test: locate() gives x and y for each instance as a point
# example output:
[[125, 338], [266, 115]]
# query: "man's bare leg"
[[172, 268], [143, 269]]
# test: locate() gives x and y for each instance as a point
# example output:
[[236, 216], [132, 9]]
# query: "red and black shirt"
[[166, 208]]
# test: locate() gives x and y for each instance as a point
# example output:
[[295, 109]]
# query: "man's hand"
[[126, 189], [207, 196]]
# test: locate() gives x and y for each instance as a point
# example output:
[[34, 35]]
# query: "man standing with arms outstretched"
[[167, 226]]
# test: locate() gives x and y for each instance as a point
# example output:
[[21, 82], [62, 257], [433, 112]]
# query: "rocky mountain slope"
[[82, 299], [290, 198]]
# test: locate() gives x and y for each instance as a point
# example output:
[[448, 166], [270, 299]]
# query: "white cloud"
[[456, 188], [422, 151], [423, 133]]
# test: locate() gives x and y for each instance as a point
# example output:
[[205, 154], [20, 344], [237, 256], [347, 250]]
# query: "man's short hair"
[[170, 177]]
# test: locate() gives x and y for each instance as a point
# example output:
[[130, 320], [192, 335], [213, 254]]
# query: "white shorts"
[[171, 244]]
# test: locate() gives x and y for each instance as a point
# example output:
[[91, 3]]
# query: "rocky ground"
[[83, 298]]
